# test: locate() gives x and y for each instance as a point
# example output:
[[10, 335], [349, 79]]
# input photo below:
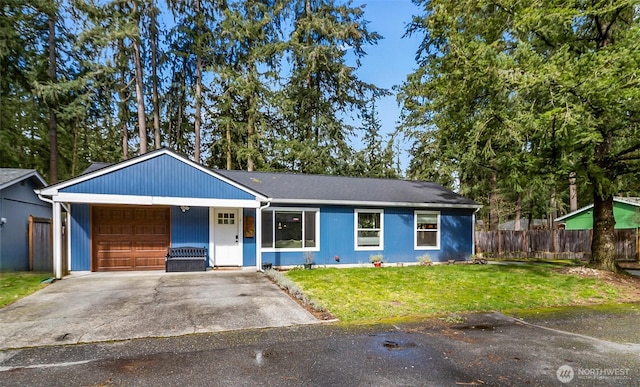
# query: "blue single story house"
[[124, 216], [18, 202]]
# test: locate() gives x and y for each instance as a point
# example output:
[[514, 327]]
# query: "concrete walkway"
[[93, 307]]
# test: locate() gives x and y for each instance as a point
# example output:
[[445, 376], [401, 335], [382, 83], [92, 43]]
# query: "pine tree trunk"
[[142, 125], [74, 160], [122, 105], [493, 203], [603, 247], [251, 127], [603, 243], [573, 192], [154, 77], [198, 107], [125, 141], [516, 226], [553, 207], [53, 121], [228, 147]]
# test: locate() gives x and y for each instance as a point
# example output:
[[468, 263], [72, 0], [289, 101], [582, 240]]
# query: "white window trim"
[[273, 228], [415, 230], [355, 230]]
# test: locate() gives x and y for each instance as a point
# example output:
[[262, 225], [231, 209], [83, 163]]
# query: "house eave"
[[615, 199], [67, 197], [364, 203], [26, 176]]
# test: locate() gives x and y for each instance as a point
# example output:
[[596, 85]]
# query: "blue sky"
[[390, 61]]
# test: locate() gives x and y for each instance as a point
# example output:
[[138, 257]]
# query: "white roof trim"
[[573, 213], [68, 197], [54, 189], [622, 200], [615, 199], [307, 202], [32, 173]]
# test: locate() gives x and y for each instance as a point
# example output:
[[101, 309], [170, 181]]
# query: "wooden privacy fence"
[[40, 249], [41, 245], [561, 244]]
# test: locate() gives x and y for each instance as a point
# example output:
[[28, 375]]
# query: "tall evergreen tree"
[[377, 158], [24, 27], [194, 49], [246, 69], [531, 92], [322, 88]]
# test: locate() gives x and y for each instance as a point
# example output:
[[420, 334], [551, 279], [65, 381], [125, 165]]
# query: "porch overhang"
[[68, 197]]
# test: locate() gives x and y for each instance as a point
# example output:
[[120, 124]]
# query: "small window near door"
[[226, 218]]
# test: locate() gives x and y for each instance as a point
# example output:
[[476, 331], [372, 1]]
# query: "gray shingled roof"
[[10, 176], [95, 166], [292, 186]]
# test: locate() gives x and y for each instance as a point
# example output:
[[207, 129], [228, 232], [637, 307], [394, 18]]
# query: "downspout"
[[259, 235], [64, 205]]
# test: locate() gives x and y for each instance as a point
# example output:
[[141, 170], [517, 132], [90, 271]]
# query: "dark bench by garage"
[[186, 259]]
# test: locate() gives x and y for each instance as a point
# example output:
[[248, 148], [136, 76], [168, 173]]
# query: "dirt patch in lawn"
[[319, 314], [628, 285]]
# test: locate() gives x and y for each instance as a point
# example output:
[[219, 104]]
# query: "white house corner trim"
[[258, 235], [57, 240], [212, 258], [68, 241]]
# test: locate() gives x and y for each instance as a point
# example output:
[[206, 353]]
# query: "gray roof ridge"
[[222, 171]]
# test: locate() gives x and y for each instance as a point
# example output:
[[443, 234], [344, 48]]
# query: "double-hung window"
[[426, 230], [369, 229], [291, 228]]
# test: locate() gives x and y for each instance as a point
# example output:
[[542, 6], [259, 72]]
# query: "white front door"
[[226, 241]]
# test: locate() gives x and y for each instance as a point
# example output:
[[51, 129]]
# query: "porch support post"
[[258, 233], [67, 243], [57, 240]]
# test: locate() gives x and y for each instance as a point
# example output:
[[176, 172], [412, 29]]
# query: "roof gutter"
[[374, 203], [47, 200]]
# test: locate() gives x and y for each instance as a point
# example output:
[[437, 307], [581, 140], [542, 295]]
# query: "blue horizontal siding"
[[80, 237], [337, 238], [163, 175], [17, 202]]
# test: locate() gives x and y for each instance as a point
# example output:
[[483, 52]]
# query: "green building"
[[626, 211]]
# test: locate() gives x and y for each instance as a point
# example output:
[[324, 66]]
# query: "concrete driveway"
[[92, 307]]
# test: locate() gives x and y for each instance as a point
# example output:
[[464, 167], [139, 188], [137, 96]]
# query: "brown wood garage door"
[[129, 237]]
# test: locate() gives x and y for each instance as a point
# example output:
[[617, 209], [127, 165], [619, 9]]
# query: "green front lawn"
[[373, 294], [14, 286]]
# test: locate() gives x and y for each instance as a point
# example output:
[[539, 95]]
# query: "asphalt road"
[[478, 349]]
